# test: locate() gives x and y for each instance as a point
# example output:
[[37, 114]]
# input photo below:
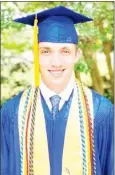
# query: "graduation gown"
[[103, 135]]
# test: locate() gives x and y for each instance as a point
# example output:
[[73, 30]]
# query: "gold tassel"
[[36, 55]]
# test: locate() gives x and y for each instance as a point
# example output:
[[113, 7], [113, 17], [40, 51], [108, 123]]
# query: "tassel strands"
[[36, 54]]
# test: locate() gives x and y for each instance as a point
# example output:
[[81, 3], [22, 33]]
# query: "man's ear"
[[78, 55]]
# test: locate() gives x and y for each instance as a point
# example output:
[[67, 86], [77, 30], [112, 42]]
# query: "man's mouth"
[[57, 73]]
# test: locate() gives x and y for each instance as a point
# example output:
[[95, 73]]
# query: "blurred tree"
[[17, 44]]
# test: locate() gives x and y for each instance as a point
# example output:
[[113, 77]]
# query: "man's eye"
[[65, 52], [45, 51]]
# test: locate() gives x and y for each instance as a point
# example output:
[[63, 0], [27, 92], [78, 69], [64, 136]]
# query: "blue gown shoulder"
[[102, 106], [10, 108]]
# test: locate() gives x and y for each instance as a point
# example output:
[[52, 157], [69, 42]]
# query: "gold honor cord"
[[36, 54]]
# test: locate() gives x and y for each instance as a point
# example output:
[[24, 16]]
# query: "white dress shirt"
[[65, 94]]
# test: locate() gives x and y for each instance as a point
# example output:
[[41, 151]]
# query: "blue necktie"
[[55, 100]]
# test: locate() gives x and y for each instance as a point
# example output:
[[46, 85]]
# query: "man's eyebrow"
[[42, 47], [66, 47]]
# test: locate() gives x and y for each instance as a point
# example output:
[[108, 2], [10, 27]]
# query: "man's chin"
[[58, 81], [57, 85]]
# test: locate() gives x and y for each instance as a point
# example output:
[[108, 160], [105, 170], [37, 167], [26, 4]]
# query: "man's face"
[[56, 64]]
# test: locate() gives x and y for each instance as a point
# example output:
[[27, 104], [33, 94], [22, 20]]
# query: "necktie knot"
[[55, 100]]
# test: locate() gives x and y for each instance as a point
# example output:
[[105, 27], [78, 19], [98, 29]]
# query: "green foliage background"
[[94, 37]]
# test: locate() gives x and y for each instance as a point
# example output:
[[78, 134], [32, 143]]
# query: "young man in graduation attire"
[[58, 127]]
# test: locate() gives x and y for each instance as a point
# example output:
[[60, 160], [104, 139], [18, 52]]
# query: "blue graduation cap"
[[55, 25]]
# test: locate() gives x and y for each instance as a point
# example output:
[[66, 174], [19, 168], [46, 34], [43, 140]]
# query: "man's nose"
[[56, 60]]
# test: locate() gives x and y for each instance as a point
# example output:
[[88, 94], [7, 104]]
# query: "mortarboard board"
[[55, 25]]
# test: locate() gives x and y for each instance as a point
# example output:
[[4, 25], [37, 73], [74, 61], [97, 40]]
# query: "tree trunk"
[[107, 47], [97, 82]]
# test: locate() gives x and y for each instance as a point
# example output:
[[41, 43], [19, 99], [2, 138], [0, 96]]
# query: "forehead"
[[56, 45]]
